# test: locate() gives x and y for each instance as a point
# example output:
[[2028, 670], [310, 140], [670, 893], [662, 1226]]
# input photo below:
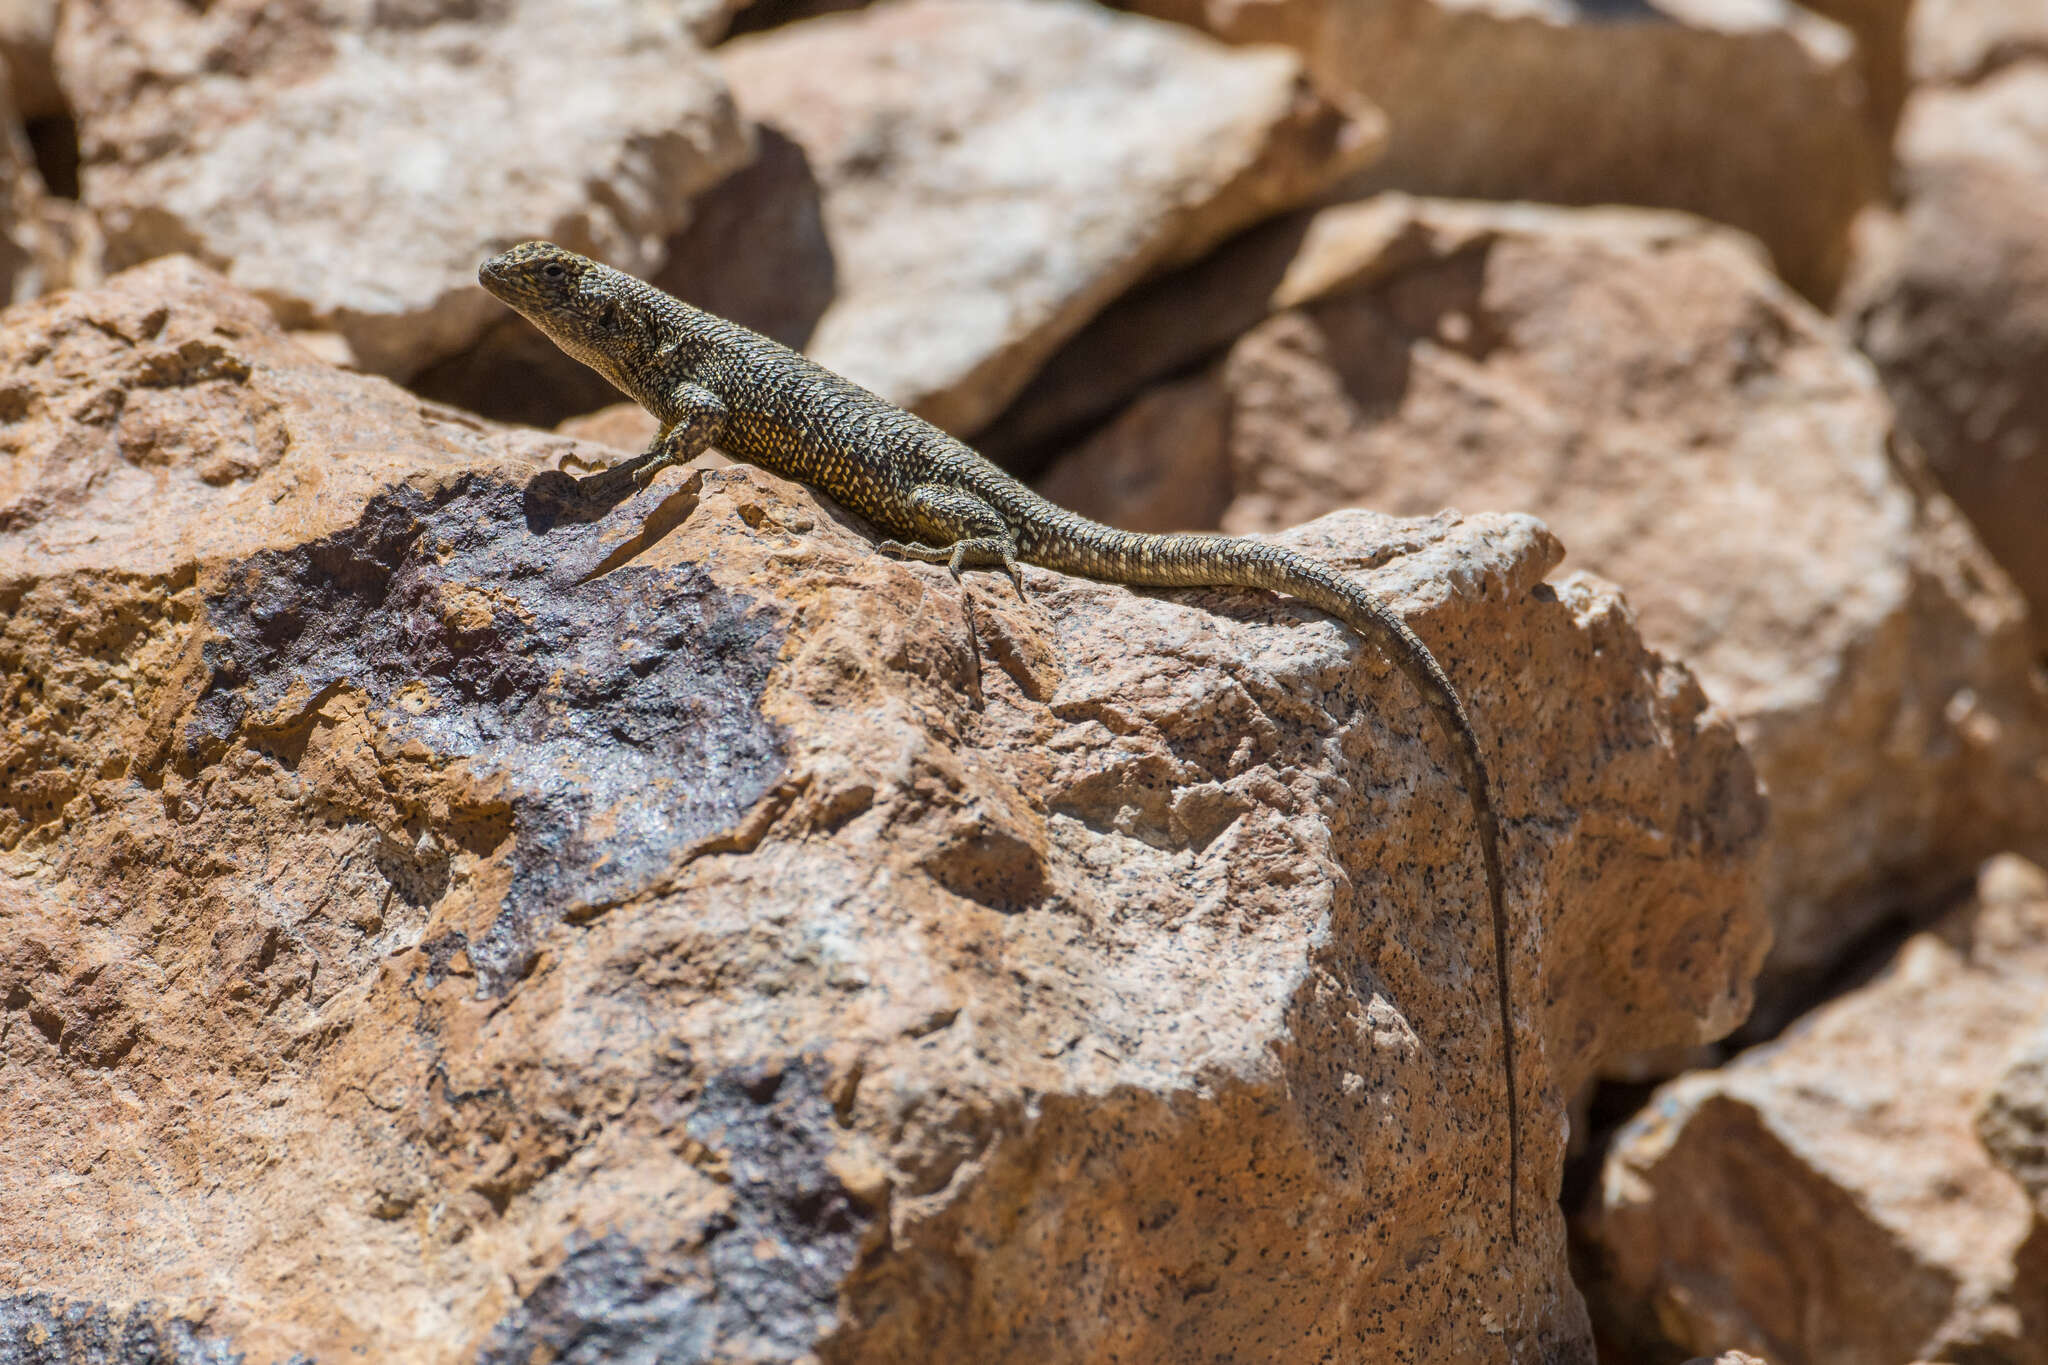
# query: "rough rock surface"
[[446, 914], [1691, 430], [1954, 309], [1751, 112], [352, 164], [2013, 1124], [1825, 1198], [993, 172]]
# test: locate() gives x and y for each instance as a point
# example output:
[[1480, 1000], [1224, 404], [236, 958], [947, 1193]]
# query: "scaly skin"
[[705, 379]]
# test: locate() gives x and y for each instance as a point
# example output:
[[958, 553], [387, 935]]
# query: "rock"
[[352, 168], [45, 242], [1729, 1358], [627, 427], [1170, 324], [2013, 1123], [993, 172], [1958, 42], [455, 916], [1693, 432], [1880, 28], [1750, 112], [1825, 1197], [26, 29], [1955, 312]]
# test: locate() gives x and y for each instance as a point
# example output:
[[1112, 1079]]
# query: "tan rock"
[[1825, 1198], [1694, 432], [26, 30], [1961, 41], [45, 243], [627, 427], [1750, 112], [2013, 1124], [1955, 310], [352, 168], [1169, 325], [1881, 29], [447, 918], [993, 172]]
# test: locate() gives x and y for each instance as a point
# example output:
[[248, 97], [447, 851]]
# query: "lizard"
[[708, 380]]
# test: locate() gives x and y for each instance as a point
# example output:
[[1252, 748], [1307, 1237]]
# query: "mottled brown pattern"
[[706, 379]]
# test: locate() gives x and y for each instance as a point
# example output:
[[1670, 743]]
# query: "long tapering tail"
[[1201, 560]]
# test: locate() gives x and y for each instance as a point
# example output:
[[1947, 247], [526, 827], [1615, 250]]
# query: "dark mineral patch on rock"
[[622, 712], [776, 1259], [46, 1329], [604, 1303], [795, 1229]]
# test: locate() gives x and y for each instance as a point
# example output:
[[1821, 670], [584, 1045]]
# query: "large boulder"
[[1755, 113], [350, 164], [1694, 432], [451, 913], [1827, 1198]]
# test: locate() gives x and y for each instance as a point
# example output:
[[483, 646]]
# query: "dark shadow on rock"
[[1161, 328], [756, 250], [763, 15], [515, 374]]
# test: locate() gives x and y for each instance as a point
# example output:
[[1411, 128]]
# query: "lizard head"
[[603, 317]]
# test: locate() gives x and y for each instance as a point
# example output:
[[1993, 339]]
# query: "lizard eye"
[[553, 270]]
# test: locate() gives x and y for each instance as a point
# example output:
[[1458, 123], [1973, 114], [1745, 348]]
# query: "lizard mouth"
[[492, 276]]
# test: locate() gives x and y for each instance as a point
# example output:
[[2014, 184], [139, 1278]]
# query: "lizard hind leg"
[[970, 534]]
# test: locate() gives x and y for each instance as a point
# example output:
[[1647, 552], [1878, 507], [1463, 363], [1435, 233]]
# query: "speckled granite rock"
[[352, 162], [1693, 431], [447, 915], [1750, 112], [1825, 1199]]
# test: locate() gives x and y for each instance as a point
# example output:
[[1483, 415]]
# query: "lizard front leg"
[[700, 417]]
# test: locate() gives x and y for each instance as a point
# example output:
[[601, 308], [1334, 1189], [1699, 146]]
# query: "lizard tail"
[[1202, 560]]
